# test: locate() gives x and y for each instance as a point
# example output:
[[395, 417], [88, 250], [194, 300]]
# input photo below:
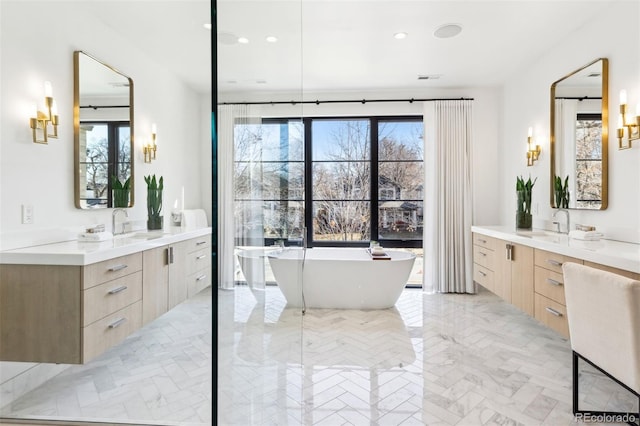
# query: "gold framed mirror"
[[103, 134], [580, 137]]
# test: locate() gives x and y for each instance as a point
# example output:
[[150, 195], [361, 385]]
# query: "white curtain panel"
[[228, 115], [448, 199]]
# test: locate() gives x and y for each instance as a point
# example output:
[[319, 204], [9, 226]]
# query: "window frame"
[[374, 195]]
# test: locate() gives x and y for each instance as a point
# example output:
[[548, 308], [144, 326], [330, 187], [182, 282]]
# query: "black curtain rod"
[[580, 98], [104, 106], [345, 101]]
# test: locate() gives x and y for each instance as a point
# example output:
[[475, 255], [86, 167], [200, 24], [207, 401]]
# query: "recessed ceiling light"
[[243, 40], [400, 36], [447, 30], [207, 26], [271, 39]]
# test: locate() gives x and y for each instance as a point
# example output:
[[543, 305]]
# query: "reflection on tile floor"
[[162, 374], [431, 360]]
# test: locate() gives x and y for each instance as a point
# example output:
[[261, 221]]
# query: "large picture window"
[[347, 181]]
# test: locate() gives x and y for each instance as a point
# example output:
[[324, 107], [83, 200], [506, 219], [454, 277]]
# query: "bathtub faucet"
[[304, 237]]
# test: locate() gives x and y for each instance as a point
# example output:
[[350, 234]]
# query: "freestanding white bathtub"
[[341, 278]]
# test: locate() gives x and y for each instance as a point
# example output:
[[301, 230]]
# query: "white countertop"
[[606, 252], [85, 253]]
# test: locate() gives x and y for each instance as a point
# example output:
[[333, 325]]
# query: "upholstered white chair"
[[603, 310]]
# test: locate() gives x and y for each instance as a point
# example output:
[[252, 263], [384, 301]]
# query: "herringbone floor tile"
[[431, 360]]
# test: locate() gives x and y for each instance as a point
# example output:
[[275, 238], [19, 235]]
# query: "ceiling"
[[169, 31], [340, 45], [346, 45]]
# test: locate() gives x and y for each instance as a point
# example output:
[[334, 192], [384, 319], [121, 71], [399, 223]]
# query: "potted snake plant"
[[524, 219], [120, 191], [561, 192], [154, 201]]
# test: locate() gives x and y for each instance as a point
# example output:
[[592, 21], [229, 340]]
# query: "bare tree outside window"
[[341, 180], [588, 162], [400, 180], [269, 180]]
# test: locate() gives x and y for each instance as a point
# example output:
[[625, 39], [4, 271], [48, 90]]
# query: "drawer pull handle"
[[554, 262], [118, 289], [201, 277], [202, 256], [482, 273], [482, 241], [554, 282], [553, 311], [484, 254], [117, 323], [199, 243], [117, 268]]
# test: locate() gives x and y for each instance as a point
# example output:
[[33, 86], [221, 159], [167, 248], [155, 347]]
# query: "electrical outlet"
[[27, 214]]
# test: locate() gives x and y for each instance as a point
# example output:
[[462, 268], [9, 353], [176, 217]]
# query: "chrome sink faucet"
[[557, 223], [113, 220]]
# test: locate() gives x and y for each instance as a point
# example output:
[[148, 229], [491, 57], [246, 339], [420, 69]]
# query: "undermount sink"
[[142, 235], [539, 234]]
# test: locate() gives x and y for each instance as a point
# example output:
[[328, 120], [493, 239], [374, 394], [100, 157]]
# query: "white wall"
[[37, 47], [614, 35], [37, 43]]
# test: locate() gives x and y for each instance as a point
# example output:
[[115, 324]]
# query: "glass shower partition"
[[260, 374]]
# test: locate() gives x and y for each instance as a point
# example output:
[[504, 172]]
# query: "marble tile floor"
[[431, 360], [160, 375]]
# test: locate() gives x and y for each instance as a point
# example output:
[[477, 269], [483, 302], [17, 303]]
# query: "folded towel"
[[585, 235], [95, 236]]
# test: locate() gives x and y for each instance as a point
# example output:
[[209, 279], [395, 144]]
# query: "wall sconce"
[[627, 122], [45, 114], [533, 151], [151, 148]]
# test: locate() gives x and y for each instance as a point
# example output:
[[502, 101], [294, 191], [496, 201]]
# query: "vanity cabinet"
[[68, 314], [483, 261], [164, 279], [178, 265], [84, 301], [505, 269], [198, 264], [155, 283], [524, 270], [550, 305]]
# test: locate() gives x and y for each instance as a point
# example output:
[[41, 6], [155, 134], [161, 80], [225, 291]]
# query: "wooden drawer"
[[624, 273], [111, 330], [198, 281], [552, 261], [484, 277], [199, 243], [198, 260], [550, 284], [98, 273], [552, 314], [483, 257], [483, 241], [107, 298]]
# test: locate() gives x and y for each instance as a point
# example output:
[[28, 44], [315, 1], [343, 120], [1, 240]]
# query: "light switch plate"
[[27, 214]]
